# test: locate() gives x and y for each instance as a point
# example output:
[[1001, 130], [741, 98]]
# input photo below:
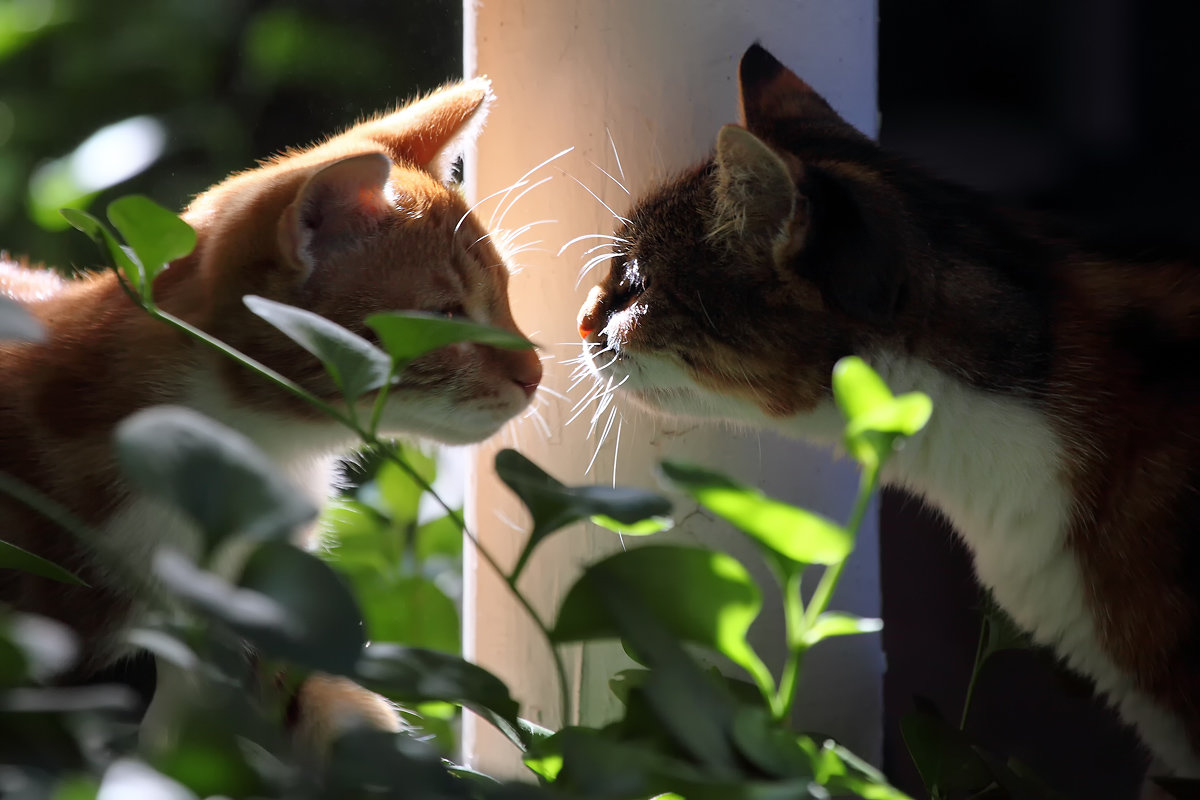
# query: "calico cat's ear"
[[335, 205], [755, 194], [770, 91], [432, 133]]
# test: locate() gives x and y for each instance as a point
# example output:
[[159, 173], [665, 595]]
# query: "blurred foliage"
[[207, 87]]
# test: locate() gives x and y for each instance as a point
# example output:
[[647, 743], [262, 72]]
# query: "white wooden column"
[[661, 76]]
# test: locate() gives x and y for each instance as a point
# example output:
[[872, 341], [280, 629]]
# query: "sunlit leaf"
[[111, 249], [407, 335], [17, 324], [838, 623], [903, 415], [354, 364], [214, 474], [157, 235], [645, 527], [409, 610], [857, 388], [17, 558], [795, 533], [554, 505], [700, 596]]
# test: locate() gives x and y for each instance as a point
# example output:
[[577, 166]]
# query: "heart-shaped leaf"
[[355, 365], [700, 596], [157, 235], [857, 388], [17, 324], [942, 754], [13, 557], [111, 249], [407, 335], [794, 533], [214, 474], [554, 505]]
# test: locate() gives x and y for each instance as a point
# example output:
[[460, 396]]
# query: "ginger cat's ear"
[[755, 194], [433, 132], [335, 205], [770, 91]]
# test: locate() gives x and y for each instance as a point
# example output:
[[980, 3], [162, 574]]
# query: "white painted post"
[[661, 75]]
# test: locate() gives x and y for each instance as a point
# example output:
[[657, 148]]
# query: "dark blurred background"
[[163, 97], [1084, 108]]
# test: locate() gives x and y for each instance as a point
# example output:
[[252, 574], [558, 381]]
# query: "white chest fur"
[[993, 466]]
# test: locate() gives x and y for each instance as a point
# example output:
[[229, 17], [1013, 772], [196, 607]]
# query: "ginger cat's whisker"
[[481, 201], [617, 158], [523, 178], [512, 204]]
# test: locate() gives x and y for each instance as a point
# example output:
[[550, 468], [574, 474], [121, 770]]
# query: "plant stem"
[[979, 648], [381, 397], [829, 580], [795, 623], [372, 440]]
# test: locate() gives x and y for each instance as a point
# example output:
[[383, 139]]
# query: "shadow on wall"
[[1075, 107]]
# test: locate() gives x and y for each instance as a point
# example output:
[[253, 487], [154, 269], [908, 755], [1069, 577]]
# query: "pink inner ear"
[[340, 202]]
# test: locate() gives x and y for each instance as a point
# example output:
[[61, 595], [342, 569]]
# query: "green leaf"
[[554, 506], [328, 632], [407, 335], [13, 557], [354, 364], [693, 709], [794, 533], [411, 674], [439, 537], [700, 596], [110, 248], [769, 746], [17, 324], [393, 491], [904, 415], [838, 623], [942, 754], [645, 527], [157, 235], [857, 388], [214, 474], [408, 610]]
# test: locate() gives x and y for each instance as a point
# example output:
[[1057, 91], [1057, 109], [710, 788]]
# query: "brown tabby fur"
[[747, 277], [358, 224]]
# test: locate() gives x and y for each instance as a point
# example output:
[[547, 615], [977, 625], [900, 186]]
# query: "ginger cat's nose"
[[528, 371]]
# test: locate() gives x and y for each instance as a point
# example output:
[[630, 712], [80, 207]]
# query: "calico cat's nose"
[[591, 315]]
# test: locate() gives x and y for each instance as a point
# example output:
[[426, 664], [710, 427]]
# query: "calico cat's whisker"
[[478, 203], [617, 452], [592, 394], [517, 198], [591, 265], [608, 236], [606, 206], [559, 154], [543, 390], [700, 300], [617, 158], [591, 250], [620, 185], [600, 444]]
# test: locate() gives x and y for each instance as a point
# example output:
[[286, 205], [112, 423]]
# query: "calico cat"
[[360, 223], [1063, 445]]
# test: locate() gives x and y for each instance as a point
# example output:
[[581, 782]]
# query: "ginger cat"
[[360, 223], [1063, 445]]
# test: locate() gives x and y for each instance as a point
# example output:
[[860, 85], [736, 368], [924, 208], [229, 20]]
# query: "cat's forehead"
[[674, 214]]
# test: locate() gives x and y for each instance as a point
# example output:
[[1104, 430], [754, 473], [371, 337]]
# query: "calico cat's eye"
[[631, 281]]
